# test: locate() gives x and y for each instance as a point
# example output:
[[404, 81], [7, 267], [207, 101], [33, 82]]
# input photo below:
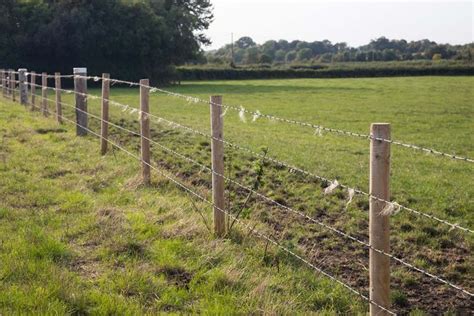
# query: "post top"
[[380, 124], [22, 69], [80, 70], [216, 98]]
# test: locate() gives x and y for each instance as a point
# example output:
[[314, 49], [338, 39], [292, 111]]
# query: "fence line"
[[258, 114], [266, 198], [379, 304], [248, 227], [317, 127], [391, 204]]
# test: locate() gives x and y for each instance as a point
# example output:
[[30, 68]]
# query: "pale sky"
[[354, 22]]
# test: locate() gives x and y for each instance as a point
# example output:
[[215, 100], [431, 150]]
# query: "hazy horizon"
[[353, 22]]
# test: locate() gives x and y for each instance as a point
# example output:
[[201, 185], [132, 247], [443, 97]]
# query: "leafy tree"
[[302, 45], [290, 56], [325, 58], [283, 45], [361, 56], [280, 55], [251, 55], [245, 42], [389, 55], [304, 54], [265, 59], [269, 48], [239, 55]]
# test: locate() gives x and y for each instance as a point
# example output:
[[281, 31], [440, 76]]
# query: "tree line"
[[245, 51], [130, 39]]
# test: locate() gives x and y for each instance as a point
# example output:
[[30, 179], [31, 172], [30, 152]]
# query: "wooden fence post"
[[59, 106], [44, 94], [145, 129], [379, 229], [13, 85], [9, 83], [80, 91], [217, 151], [104, 124], [4, 87], [33, 90], [23, 86]]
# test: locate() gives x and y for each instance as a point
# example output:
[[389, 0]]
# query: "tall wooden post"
[[4, 86], [145, 129], [80, 89], [44, 94], [9, 83], [23, 86], [13, 85], [59, 106], [379, 230], [33, 90], [104, 124], [217, 151]]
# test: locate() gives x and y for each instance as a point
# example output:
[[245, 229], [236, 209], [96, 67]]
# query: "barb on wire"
[[287, 208], [251, 229]]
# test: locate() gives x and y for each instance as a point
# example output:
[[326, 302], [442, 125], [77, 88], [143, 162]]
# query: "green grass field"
[[100, 241]]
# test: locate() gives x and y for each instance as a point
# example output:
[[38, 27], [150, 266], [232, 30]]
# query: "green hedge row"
[[187, 73]]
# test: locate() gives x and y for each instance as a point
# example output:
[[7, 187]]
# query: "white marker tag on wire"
[[242, 114], [351, 193], [331, 187], [256, 115], [225, 112], [391, 208], [454, 226], [318, 131], [96, 78]]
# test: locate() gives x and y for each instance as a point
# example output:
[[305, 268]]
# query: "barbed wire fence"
[[381, 207]]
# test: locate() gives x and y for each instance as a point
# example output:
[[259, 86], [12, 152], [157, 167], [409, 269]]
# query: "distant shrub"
[[319, 71]]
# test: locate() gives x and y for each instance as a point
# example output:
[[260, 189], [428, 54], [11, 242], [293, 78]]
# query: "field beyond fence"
[[408, 253]]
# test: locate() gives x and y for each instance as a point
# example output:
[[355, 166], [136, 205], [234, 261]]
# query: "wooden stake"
[[379, 230], [33, 90], [44, 94], [23, 86], [104, 125], [4, 83], [9, 83], [80, 89], [59, 106], [145, 129], [2, 74], [217, 151], [12, 85]]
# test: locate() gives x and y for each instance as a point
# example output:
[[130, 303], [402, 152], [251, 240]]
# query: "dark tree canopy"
[[129, 39]]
